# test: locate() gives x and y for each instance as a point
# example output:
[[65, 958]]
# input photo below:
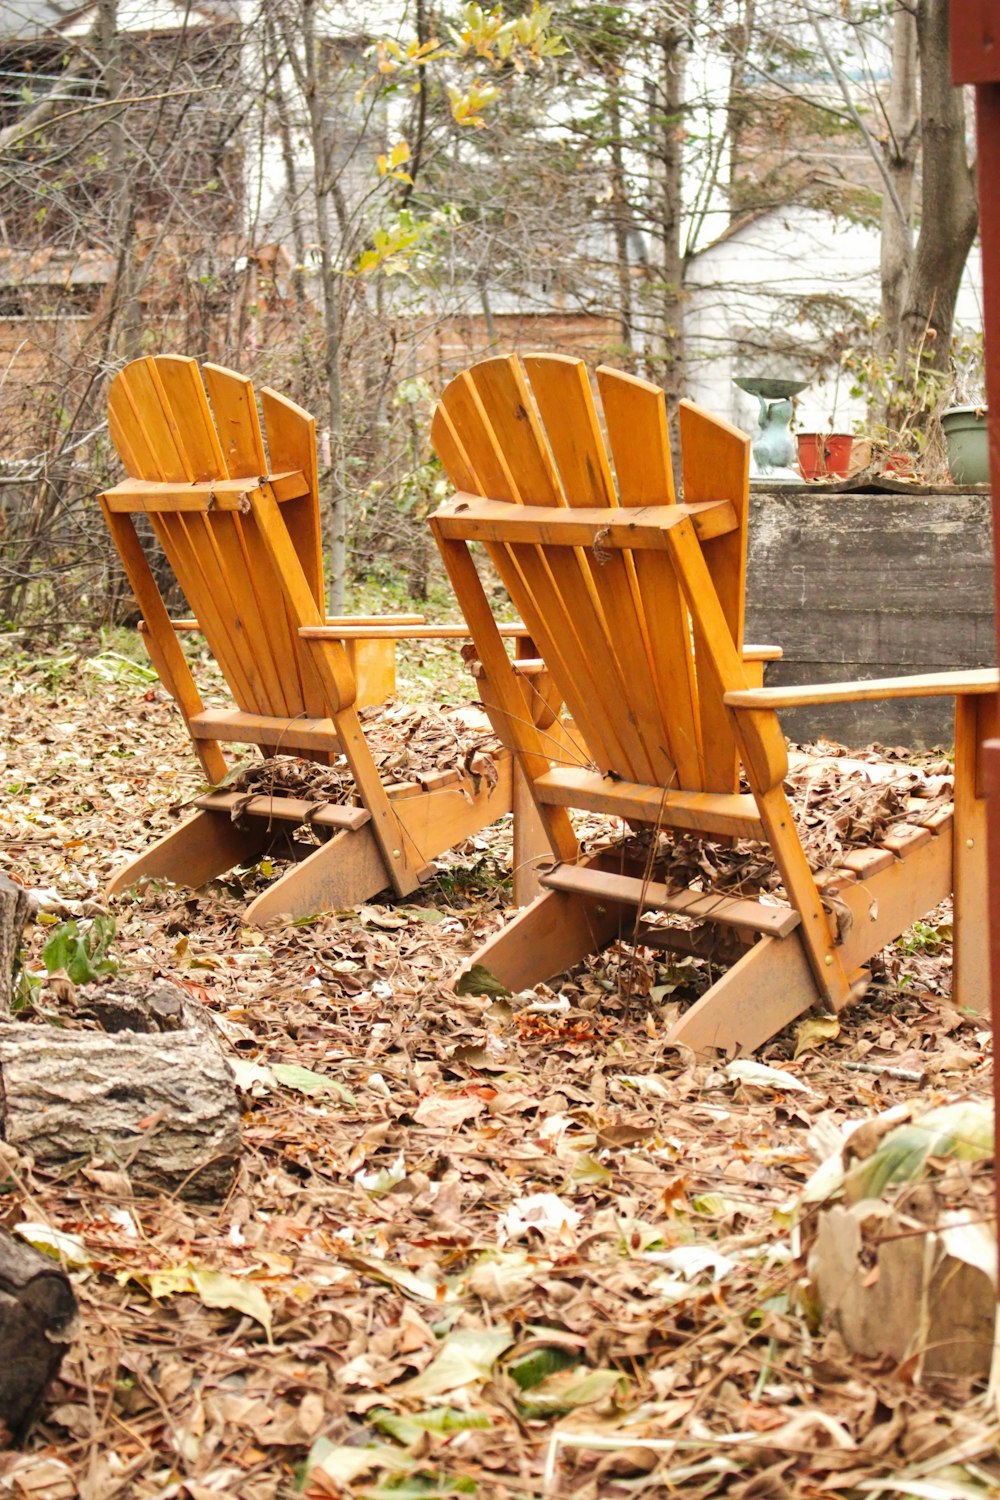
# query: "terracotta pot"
[[825, 455]]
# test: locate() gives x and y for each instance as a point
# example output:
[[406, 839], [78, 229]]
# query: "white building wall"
[[756, 282]]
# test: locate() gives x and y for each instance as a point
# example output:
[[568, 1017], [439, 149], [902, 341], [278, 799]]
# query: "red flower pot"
[[825, 455]]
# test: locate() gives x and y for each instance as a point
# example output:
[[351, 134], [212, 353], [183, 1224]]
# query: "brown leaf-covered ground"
[[467, 1246]]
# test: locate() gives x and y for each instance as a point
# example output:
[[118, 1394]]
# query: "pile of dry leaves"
[[506, 1247]]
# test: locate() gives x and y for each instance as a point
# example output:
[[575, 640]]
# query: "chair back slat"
[[635, 416], [236, 421], [186, 412], [715, 464], [613, 624], [145, 439], [546, 588], [566, 406], [517, 429], [480, 446]]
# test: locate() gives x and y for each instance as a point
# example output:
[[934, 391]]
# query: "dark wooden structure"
[[975, 59], [870, 585]]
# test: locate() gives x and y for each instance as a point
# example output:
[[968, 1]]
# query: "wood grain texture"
[[151, 1093], [859, 586]]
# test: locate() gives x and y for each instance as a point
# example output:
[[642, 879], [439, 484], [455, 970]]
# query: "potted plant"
[[825, 455], [964, 422]]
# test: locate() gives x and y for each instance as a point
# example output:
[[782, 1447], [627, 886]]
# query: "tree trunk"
[[150, 1093], [37, 1313], [320, 130], [620, 215], [949, 216], [667, 132], [901, 149]]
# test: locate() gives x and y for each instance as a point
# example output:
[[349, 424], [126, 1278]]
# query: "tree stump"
[[150, 1092], [37, 1313]]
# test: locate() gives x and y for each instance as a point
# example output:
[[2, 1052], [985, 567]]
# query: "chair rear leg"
[[549, 936], [202, 848], [346, 870], [764, 990]]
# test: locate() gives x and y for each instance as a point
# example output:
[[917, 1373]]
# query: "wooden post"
[[975, 59]]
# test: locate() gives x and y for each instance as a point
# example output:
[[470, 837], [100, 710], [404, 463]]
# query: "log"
[[14, 908], [150, 1093], [37, 1314]]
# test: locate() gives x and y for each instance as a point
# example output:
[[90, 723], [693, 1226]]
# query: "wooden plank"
[[140, 423], [187, 411], [764, 991], [531, 585], [867, 862], [936, 820], [828, 964], [639, 705], [604, 610], [233, 726], [236, 420], [448, 447], [374, 666], [507, 401], [471, 426], [720, 666], [202, 848], [204, 585], [635, 413], [285, 809], [161, 642], [925, 685], [716, 463], [444, 816], [903, 838], [530, 845], [565, 614], [464, 517], [631, 890], [886, 904], [240, 564], [975, 721], [382, 631], [137, 495], [705, 812], [548, 937], [291, 444], [566, 406], [345, 871], [329, 660], [506, 689]]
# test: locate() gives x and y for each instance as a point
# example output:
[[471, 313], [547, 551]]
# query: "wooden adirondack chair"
[[240, 529], [636, 603]]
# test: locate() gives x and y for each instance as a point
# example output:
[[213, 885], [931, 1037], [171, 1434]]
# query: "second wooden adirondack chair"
[[636, 603], [239, 526]]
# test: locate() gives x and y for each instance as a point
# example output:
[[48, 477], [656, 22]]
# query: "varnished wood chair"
[[636, 603], [239, 525]]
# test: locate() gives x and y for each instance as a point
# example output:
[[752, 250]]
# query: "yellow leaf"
[[814, 1030]]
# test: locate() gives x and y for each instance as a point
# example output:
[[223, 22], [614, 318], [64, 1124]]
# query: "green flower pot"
[[965, 433]]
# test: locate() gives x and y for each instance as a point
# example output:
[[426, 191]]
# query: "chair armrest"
[[929, 685], [346, 621], [389, 632], [762, 653]]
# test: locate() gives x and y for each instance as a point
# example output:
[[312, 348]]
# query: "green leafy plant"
[[83, 955]]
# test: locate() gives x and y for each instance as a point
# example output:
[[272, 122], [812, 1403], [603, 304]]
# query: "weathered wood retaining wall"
[[873, 585]]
